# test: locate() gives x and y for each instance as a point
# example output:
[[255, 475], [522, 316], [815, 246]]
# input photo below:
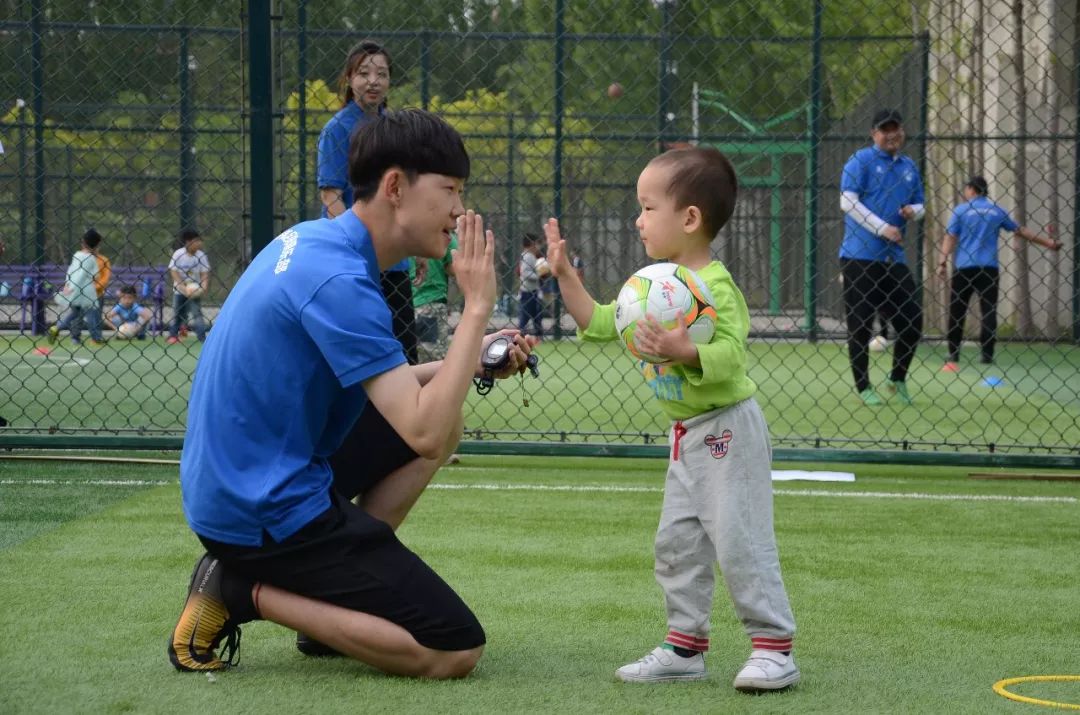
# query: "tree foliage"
[[114, 72]]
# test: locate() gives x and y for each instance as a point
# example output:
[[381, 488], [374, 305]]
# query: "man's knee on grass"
[[443, 665]]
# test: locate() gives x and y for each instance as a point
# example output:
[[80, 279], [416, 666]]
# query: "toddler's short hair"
[[702, 177], [128, 290]]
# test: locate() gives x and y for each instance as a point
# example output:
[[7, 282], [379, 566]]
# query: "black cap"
[[887, 116], [979, 184]]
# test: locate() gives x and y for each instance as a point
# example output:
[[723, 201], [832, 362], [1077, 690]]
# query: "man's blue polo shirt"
[[885, 184], [976, 225], [333, 164], [278, 384]]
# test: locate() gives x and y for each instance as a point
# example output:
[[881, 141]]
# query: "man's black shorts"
[[351, 559], [371, 451]]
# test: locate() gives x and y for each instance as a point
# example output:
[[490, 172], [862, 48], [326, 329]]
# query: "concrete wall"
[[975, 92]]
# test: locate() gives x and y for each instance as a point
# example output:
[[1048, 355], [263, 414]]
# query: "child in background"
[[530, 306], [101, 283], [189, 268], [718, 491], [129, 313], [80, 295]]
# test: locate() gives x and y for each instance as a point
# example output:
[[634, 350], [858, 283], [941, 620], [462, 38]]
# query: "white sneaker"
[[663, 665], [767, 670]]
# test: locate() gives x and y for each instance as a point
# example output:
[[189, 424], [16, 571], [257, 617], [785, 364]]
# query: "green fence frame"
[[261, 212]]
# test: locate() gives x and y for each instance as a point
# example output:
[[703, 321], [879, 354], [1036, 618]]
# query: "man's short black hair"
[[415, 141], [978, 185], [529, 240], [128, 290], [188, 234], [91, 238]]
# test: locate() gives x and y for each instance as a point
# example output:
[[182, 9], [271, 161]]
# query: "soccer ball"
[[543, 269], [193, 289], [662, 290], [127, 331], [879, 344]]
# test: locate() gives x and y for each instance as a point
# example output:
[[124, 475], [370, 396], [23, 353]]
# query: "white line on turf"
[[73, 362], [779, 492], [597, 488], [91, 482]]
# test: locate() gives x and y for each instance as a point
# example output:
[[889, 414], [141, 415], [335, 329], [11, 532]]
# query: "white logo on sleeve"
[[288, 245]]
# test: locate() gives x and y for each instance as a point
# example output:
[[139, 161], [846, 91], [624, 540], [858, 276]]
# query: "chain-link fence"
[[144, 122]]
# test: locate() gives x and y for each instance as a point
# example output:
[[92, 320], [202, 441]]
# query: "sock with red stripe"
[[685, 645], [781, 645], [681, 652]]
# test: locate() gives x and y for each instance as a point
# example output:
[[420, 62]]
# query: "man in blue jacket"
[[881, 191]]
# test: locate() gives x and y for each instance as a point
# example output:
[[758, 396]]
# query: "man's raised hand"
[[474, 262]]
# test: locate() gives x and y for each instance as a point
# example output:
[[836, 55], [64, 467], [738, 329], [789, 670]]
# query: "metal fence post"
[[261, 137], [924, 153], [1076, 199], [560, 83], [664, 115], [37, 82], [69, 199], [187, 135], [813, 190], [511, 208], [301, 112], [425, 69], [24, 172]]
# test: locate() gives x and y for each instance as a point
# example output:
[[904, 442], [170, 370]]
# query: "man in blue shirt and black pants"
[[971, 239], [302, 350], [880, 191]]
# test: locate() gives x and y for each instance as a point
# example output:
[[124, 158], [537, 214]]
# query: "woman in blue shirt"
[[364, 85], [972, 240]]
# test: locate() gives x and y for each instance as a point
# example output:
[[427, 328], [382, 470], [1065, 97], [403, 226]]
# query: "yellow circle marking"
[[1001, 685]]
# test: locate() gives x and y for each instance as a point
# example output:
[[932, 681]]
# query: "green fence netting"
[[137, 120]]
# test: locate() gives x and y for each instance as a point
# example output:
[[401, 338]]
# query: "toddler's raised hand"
[[557, 259]]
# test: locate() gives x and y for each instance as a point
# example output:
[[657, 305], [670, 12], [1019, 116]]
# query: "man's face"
[[889, 137], [429, 209], [370, 81], [193, 246]]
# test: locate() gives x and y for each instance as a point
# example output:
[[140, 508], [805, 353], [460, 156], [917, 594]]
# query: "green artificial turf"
[[807, 394], [594, 392], [914, 597]]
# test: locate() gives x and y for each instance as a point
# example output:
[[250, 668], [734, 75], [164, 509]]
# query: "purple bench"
[[35, 285]]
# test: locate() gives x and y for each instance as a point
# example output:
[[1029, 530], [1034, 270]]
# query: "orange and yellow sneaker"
[[204, 623]]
